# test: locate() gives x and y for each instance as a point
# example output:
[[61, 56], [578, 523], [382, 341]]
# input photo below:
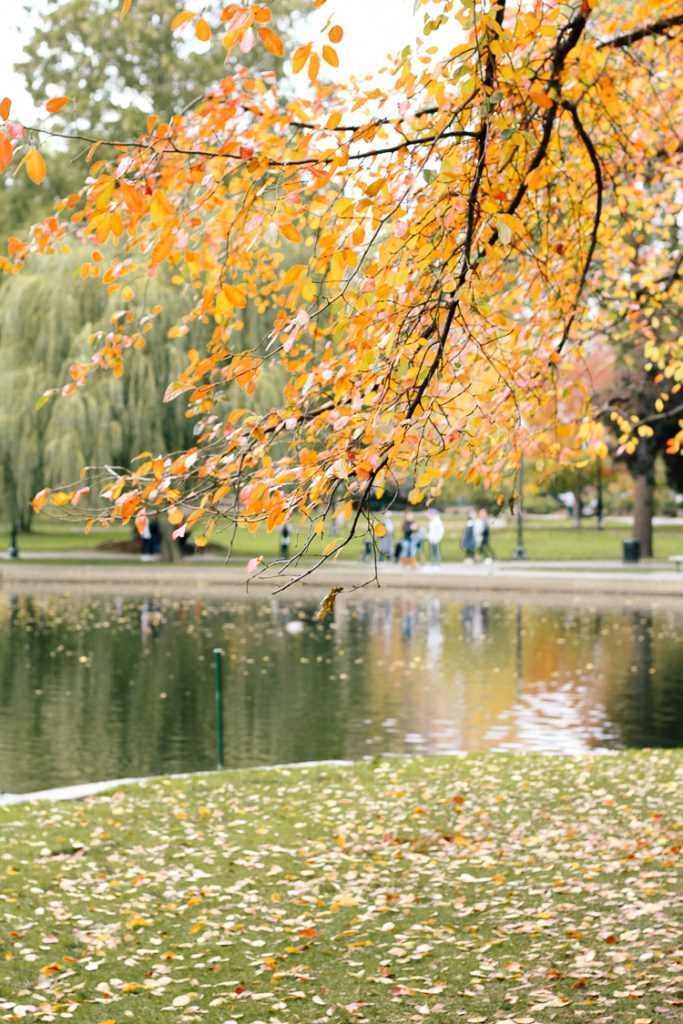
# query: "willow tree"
[[463, 227], [39, 339], [48, 315]]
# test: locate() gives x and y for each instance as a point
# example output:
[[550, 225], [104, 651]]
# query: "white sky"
[[372, 29]]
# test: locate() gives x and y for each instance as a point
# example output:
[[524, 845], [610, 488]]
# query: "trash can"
[[631, 550]]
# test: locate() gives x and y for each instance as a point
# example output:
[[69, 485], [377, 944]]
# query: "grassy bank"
[[545, 538], [482, 888]]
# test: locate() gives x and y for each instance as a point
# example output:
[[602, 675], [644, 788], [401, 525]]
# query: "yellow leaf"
[[35, 166], [380, 529], [175, 516], [51, 968], [300, 57]]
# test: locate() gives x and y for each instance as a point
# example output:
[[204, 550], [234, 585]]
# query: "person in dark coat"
[[468, 542]]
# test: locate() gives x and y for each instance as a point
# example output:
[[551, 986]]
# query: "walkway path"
[[203, 573]]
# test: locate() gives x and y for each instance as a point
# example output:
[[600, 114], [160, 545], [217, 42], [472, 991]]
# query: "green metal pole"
[[218, 656]]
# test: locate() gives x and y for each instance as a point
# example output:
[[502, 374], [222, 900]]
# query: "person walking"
[[408, 543], [386, 543], [481, 536], [435, 532], [468, 542], [284, 541]]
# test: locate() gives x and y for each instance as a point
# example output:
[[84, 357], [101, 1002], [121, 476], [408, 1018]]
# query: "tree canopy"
[[469, 237]]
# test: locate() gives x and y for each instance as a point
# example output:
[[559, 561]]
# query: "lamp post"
[[598, 508], [519, 551], [218, 660]]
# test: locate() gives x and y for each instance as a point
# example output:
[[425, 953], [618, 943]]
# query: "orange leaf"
[[39, 500], [60, 498], [300, 57], [541, 99], [330, 55], [262, 14], [125, 8], [271, 41], [129, 505], [313, 67], [5, 105], [35, 166], [181, 19], [6, 151], [203, 30], [290, 232], [234, 295], [293, 274], [53, 105], [336, 34]]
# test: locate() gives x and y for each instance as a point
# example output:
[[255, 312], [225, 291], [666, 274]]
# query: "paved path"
[[202, 574]]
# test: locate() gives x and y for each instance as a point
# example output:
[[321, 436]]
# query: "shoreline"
[[198, 577]]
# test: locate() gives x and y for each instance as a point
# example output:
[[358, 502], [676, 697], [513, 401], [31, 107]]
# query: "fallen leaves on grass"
[[521, 889]]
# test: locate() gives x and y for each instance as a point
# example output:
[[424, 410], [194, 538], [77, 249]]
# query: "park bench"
[[677, 560]]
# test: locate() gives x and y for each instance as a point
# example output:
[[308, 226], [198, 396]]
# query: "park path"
[[204, 575]]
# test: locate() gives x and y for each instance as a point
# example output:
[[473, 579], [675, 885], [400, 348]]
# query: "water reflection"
[[95, 689]]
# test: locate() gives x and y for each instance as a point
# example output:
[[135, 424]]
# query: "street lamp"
[[519, 551]]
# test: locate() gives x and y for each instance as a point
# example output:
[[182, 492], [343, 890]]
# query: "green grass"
[[545, 538], [56, 535], [481, 888]]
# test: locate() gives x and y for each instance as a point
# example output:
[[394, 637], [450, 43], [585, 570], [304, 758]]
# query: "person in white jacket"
[[435, 532]]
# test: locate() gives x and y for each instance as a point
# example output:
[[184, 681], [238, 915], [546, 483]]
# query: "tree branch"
[[597, 170], [655, 28]]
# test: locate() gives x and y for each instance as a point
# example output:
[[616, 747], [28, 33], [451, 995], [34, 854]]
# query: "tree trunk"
[[643, 507], [170, 549]]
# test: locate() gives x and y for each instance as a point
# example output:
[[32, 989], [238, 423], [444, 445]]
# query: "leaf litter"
[[482, 888]]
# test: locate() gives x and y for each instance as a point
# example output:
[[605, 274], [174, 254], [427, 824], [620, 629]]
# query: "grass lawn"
[[545, 538], [483, 888]]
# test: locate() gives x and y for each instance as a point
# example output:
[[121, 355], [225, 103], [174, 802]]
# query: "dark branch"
[[597, 171], [655, 28]]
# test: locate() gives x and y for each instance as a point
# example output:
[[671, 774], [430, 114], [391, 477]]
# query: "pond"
[[96, 688]]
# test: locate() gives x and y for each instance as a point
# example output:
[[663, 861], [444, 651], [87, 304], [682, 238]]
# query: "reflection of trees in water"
[[646, 703], [94, 689]]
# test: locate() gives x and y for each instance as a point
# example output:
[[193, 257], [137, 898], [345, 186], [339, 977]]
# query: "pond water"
[[97, 688]]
